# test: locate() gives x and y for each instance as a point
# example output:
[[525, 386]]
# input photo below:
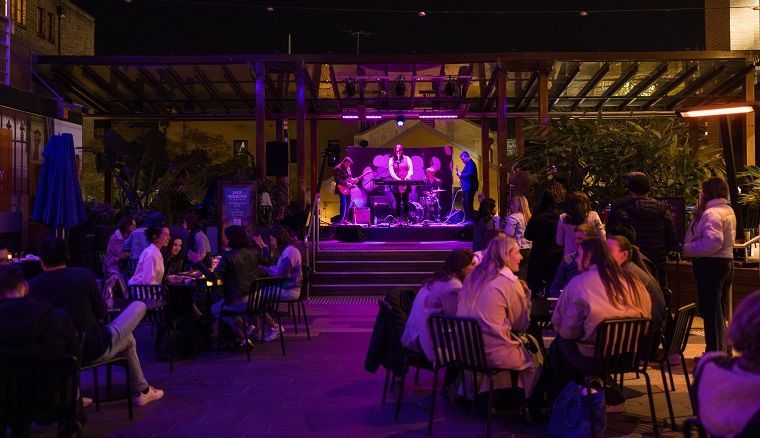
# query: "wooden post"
[[543, 99], [485, 152], [501, 137], [749, 121], [314, 159], [520, 135], [278, 128], [301, 134], [261, 147]]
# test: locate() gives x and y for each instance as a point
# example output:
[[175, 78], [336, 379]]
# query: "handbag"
[[573, 410]]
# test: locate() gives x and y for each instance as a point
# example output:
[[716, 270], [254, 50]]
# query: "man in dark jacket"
[[31, 327], [650, 218], [468, 179]]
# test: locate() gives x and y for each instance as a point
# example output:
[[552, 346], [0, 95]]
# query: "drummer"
[[431, 183], [430, 190]]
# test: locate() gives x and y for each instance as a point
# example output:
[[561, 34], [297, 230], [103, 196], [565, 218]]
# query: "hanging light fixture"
[[400, 120]]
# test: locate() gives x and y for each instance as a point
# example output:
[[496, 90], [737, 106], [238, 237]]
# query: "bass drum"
[[416, 212]]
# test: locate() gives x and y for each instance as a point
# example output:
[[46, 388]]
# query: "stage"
[[399, 233]]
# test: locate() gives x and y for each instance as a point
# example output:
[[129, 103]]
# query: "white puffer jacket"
[[714, 234]]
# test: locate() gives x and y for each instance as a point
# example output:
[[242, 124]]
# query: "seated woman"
[[174, 260], [726, 388], [494, 296], [237, 268], [150, 266], [483, 223], [439, 295], [602, 291], [514, 226], [289, 267]]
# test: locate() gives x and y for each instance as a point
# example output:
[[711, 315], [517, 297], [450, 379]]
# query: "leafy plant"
[[593, 155], [100, 213], [750, 195]]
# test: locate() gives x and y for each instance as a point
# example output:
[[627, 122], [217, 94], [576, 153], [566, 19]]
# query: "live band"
[[401, 171]]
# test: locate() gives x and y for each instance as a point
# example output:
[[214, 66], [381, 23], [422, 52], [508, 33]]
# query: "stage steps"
[[372, 272]]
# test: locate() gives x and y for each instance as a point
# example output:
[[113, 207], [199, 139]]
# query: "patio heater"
[[724, 112]]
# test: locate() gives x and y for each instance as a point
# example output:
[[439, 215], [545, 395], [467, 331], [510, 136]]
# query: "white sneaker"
[[273, 333], [152, 395]]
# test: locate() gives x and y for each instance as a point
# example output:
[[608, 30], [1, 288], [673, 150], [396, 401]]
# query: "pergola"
[[374, 87]]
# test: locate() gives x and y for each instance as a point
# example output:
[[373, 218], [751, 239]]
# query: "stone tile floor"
[[320, 389]]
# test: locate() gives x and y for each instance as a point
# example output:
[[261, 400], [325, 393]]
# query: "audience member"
[[578, 211], [439, 295], [710, 241], [5, 253], [150, 267], [726, 388], [289, 267], [514, 227], [115, 244], [238, 268], [29, 327], [198, 245], [137, 241], [602, 291], [76, 291], [568, 268], [174, 260], [494, 296], [483, 223], [541, 230], [650, 218]]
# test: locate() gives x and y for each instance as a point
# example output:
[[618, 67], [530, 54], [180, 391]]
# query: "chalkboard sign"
[[677, 207], [238, 203]]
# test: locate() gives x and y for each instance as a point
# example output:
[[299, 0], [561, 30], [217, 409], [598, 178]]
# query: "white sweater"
[[714, 234]]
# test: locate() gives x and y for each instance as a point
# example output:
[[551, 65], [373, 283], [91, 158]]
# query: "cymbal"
[[438, 191]]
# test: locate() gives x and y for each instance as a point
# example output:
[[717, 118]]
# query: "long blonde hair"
[[494, 260], [521, 203]]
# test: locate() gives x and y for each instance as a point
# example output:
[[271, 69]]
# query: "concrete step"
[[357, 289], [319, 278], [378, 265]]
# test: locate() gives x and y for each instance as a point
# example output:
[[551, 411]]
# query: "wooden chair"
[[39, 390], [623, 346]]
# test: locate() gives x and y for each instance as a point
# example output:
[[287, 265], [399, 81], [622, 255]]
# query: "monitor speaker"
[[350, 233], [277, 158]]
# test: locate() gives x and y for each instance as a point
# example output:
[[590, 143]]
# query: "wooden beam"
[[301, 86], [180, 83], [520, 135], [209, 86], [749, 121], [501, 136], [543, 99], [334, 83], [598, 76], [121, 77], [730, 84], [235, 85], [643, 85], [491, 85], [413, 87], [667, 88], [485, 154], [105, 86], [612, 89], [695, 85], [527, 93], [260, 87], [563, 86]]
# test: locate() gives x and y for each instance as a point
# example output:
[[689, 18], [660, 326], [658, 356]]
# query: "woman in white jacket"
[[710, 241]]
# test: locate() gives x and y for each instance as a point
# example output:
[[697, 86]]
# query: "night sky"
[[244, 26]]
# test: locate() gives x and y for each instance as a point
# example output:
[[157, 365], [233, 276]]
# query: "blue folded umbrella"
[[59, 196]]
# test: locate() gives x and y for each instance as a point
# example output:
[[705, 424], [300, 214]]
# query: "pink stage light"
[[349, 116], [439, 116], [374, 117]]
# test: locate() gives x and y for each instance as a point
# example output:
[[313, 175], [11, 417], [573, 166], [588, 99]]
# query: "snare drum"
[[416, 212]]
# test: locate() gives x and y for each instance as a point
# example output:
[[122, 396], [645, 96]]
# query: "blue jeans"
[[345, 202], [123, 343]]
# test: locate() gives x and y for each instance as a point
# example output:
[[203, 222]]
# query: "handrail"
[[311, 239]]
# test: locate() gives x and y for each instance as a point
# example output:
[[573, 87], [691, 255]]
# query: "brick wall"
[[732, 25], [40, 32]]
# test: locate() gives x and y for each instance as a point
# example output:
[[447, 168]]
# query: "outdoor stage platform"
[[403, 233]]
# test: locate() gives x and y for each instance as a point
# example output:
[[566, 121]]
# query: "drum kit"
[[430, 205]]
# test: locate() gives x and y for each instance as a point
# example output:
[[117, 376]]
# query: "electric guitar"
[[350, 183]]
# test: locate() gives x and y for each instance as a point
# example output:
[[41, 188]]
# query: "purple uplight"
[[438, 116]]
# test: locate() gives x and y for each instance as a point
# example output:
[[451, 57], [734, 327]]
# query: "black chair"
[[41, 390], [458, 342], [623, 346], [676, 337], [693, 423], [101, 258], [299, 304], [127, 268], [119, 361], [263, 299], [159, 313]]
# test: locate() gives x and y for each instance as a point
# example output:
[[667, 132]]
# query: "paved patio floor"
[[319, 389]]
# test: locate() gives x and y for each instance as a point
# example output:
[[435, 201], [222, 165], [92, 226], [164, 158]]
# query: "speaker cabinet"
[[277, 158]]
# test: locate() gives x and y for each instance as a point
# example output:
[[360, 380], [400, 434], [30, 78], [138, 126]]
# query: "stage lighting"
[[350, 87], [451, 88], [400, 86], [400, 120]]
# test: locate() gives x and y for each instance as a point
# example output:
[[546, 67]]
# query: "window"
[[50, 27], [41, 22], [18, 11]]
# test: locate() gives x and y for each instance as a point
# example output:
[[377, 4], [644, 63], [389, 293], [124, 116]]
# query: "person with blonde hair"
[[494, 296], [710, 241], [514, 226], [726, 388]]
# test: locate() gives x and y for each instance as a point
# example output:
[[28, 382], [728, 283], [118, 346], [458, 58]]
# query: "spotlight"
[[400, 86], [583, 13], [451, 88], [400, 120], [350, 87], [270, 9], [421, 14]]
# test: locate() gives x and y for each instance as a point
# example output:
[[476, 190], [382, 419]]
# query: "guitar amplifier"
[[361, 216]]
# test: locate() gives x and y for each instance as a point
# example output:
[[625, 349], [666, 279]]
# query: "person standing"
[[341, 176], [115, 243], [578, 210], [710, 242], [198, 245], [650, 218], [468, 180], [401, 169]]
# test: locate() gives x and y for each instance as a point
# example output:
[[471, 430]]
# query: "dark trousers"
[[402, 202], [713, 277], [345, 202], [569, 364], [468, 199]]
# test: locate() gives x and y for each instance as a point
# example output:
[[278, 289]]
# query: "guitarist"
[[468, 180], [401, 169], [342, 177]]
